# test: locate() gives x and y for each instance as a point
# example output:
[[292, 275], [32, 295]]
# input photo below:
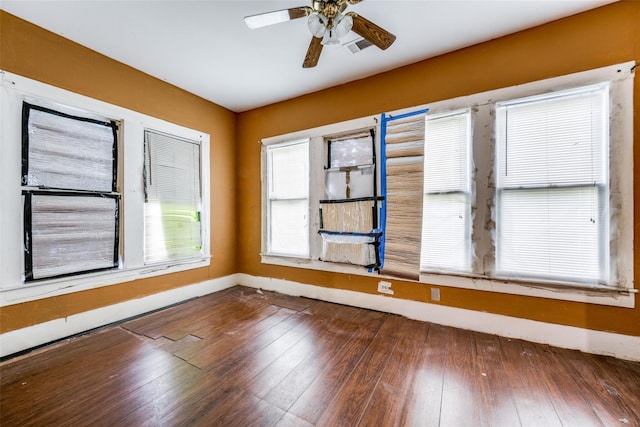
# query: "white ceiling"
[[205, 48]]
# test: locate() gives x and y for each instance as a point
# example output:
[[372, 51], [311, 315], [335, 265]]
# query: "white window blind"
[[172, 198], [552, 182], [288, 199], [446, 218]]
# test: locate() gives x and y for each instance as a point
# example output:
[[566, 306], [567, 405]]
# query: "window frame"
[[317, 161], [14, 90], [31, 190], [601, 185], [269, 199], [148, 175], [468, 194]]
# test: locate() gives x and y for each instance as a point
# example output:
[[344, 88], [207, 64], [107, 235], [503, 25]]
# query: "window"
[[288, 199], [446, 218], [349, 208], [552, 186], [547, 200], [74, 215], [173, 205], [522, 190], [314, 183], [70, 205]]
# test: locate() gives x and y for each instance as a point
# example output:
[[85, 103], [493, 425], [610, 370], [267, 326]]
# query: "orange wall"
[[597, 38], [32, 52]]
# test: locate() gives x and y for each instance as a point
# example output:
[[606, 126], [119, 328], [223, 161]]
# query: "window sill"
[[601, 295], [311, 264], [66, 285]]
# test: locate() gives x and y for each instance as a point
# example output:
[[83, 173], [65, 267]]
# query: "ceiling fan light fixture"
[[317, 24], [330, 38], [341, 26]]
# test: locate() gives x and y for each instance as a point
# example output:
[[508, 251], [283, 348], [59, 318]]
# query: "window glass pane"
[[68, 152], [446, 152], [289, 233], [553, 141], [289, 171], [70, 234], [173, 203], [552, 233], [288, 204], [352, 151], [446, 232]]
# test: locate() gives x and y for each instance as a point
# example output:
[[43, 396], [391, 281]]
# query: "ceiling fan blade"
[[276, 17], [370, 31], [313, 53]]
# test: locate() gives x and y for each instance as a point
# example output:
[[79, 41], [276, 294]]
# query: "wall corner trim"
[[32, 336], [586, 340]]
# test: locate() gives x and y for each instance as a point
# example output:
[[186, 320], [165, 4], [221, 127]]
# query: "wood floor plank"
[[424, 397], [120, 375], [387, 401], [265, 380], [153, 324], [531, 397], [263, 359], [148, 404], [229, 348], [460, 388], [572, 407], [494, 391], [610, 406], [618, 382], [329, 377], [336, 328], [290, 420], [348, 404]]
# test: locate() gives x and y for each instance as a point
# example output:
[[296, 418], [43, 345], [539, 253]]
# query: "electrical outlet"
[[435, 294], [385, 288]]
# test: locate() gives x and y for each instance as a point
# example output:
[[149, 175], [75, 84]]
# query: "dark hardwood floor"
[[245, 358]]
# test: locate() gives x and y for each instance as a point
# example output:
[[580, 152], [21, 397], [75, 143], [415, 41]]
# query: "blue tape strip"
[[383, 176]]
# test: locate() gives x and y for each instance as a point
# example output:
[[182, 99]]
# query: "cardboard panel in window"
[[349, 249], [356, 216]]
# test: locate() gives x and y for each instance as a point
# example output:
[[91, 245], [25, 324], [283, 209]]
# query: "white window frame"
[[270, 200], [599, 182], [149, 188], [15, 89]]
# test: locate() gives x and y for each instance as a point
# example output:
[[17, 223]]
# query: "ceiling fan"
[[328, 23]]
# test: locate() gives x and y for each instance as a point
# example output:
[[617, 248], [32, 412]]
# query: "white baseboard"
[[587, 340], [590, 341], [42, 333]]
